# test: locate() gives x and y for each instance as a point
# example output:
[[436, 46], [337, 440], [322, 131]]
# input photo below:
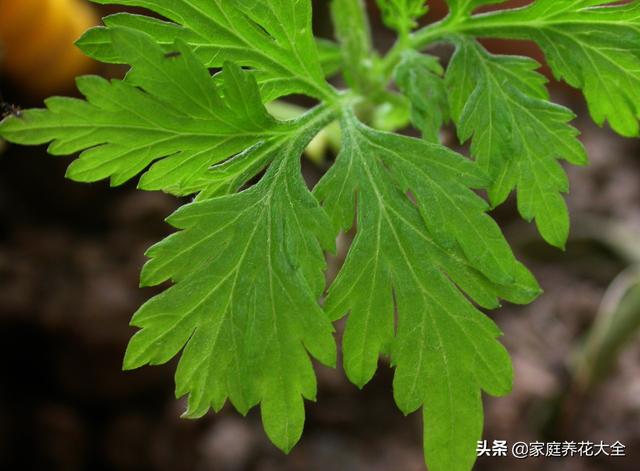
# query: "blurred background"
[[70, 256]]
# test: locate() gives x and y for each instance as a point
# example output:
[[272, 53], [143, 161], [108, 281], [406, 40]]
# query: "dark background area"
[[70, 256]]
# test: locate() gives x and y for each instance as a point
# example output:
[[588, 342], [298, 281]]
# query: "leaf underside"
[[247, 263]]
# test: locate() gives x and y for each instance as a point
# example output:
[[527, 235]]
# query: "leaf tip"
[[130, 363], [193, 414]]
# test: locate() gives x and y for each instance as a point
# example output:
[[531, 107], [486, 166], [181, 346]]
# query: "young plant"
[[248, 260]]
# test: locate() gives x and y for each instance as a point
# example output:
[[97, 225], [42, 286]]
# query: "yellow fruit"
[[37, 39]]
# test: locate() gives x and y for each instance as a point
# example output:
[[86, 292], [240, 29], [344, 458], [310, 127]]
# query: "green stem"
[[434, 32], [477, 25], [354, 34], [418, 41], [393, 57]]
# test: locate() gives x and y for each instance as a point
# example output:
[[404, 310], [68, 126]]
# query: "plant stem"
[[354, 34], [507, 21], [418, 41], [434, 32]]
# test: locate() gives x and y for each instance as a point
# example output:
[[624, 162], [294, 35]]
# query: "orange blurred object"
[[37, 38]]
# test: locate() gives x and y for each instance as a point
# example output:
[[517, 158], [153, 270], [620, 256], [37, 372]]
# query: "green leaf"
[[248, 270], [517, 133], [274, 38], [96, 43], [445, 350], [590, 47], [179, 124], [419, 77], [402, 15]]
